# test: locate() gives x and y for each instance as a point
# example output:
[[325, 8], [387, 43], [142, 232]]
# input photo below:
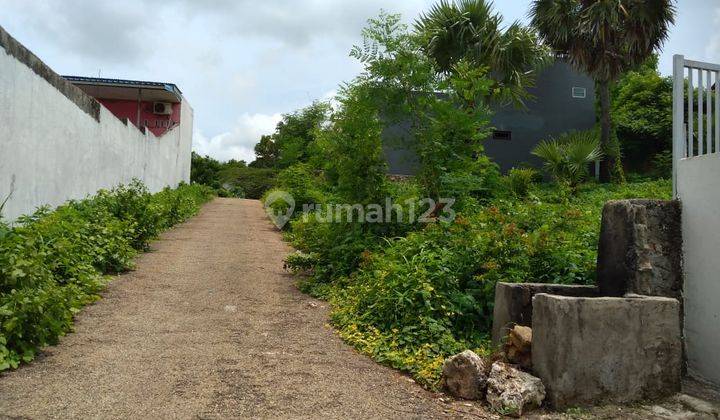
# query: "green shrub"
[[568, 157], [52, 262], [519, 181], [248, 182], [304, 184], [662, 164], [411, 301]]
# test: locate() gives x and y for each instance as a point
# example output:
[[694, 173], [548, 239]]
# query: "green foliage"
[[662, 164], [642, 106], [205, 170], [232, 178], [266, 153], [134, 204], [519, 181], [304, 184], [52, 262], [567, 158], [580, 29], [351, 147], [449, 134], [604, 38], [448, 127], [408, 294], [453, 32], [428, 295], [296, 133], [249, 182]]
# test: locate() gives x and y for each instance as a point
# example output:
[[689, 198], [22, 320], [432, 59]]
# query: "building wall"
[[697, 189], [57, 143], [552, 112], [157, 124]]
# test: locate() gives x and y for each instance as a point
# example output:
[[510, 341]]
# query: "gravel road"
[[209, 326]]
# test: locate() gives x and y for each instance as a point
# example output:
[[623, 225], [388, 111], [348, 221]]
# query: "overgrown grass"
[[410, 301], [54, 262]]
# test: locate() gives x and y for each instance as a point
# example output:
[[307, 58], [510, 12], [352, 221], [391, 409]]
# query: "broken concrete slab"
[[513, 303], [640, 249], [598, 350]]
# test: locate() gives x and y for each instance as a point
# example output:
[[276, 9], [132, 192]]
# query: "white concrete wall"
[[51, 150], [698, 188]]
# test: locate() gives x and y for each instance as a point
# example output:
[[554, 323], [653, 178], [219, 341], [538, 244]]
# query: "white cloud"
[[245, 58], [106, 31], [238, 143], [713, 48], [295, 22]]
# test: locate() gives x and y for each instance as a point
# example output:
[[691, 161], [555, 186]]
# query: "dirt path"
[[209, 326]]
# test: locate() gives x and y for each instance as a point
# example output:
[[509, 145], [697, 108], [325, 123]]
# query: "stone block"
[[464, 375], [512, 391], [600, 350], [513, 303], [640, 249]]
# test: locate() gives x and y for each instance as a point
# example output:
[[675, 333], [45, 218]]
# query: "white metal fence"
[[696, 171], [696, 110]]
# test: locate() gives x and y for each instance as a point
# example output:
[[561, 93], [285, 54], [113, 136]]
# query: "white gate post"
[[678, 147]]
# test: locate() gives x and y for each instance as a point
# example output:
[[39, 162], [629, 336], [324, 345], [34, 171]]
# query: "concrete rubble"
[[511, 391], [464, 375]]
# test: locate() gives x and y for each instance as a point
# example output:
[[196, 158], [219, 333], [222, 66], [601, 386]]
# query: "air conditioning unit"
[[162, 108]]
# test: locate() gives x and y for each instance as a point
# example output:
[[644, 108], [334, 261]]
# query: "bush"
[[568, 157], [642, 112], [246, 182], [408, 294], [411, 301], [52, 262], [519, 181], [662, 164]]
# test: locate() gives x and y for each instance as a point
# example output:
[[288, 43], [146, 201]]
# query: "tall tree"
[[204, 170], [296, 133], [266, 153], [469, 30], [604, 38], [642, 115], [447, 129]]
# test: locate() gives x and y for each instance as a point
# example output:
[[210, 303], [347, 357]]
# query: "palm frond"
[[567, 157], [470, 30]]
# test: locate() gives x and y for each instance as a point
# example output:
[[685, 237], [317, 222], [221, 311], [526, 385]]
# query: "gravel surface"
[[209, 326]]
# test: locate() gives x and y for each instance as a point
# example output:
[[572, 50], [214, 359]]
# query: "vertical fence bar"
[[691, 119], [708, 113], [700, 131], [717, 112], [678, 115]]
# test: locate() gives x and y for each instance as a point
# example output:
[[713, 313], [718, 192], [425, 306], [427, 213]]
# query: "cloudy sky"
[[243, 63]]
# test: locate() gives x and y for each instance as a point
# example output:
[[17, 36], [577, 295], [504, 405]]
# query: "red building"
[[148, 105]]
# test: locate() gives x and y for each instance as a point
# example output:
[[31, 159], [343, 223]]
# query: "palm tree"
[[469, 30], [604, 38], [567, 157]]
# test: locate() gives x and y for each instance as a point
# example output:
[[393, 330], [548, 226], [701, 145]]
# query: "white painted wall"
[[52, 151], [698, 180]]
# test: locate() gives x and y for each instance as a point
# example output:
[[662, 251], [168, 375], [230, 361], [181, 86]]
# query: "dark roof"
[[170, 87]]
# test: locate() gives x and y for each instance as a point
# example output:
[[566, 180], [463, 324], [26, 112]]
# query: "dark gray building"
[[564, 101]]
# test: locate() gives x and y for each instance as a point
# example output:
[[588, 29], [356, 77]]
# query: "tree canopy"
[[471, 31], [604, 38]]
